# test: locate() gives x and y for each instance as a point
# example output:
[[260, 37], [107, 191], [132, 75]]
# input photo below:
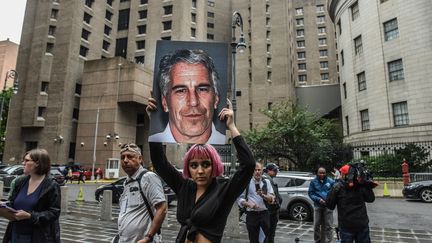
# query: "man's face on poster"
[[190, 101]]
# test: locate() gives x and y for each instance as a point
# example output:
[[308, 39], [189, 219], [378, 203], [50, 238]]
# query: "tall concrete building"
[[385, 50], [86, 67], [290, 44], [8, 59]]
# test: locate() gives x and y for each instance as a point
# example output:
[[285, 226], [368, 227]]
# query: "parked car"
[[117, 188], [10, 173], [419, 190], [57, 176], [293, 188]]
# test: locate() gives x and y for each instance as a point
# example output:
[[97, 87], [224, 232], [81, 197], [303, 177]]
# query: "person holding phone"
[[255, 199]]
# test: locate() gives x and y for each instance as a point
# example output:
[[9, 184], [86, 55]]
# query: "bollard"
[[64, 192], [1, 189], [232, 226], [106, 208]]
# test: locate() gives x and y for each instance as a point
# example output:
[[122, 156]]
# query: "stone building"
[[385, 56], [80, 57]]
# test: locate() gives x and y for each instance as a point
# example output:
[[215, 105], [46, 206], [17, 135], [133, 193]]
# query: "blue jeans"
[[20, 238], [361, 236]]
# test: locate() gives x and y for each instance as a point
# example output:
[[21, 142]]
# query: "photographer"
[[350, 195]]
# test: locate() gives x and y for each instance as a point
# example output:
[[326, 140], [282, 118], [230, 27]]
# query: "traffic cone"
[[386, 192], [80, 196]]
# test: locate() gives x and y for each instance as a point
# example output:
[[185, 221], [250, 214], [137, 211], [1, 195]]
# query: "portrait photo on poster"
[[190, 89]]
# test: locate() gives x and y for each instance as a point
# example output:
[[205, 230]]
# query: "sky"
[[11, 19]]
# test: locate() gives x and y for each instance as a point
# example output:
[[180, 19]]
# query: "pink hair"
[[203, 151]]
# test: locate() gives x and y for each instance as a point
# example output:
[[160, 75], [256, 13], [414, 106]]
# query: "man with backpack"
[[255, 199], [270, 172], [142, 205]]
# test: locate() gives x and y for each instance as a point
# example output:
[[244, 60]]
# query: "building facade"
[[8, 59], [86, 68], [385, 56]]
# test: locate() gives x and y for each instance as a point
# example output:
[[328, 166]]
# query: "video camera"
[[359, 175]]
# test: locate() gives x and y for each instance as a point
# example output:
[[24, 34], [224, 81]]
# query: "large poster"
[[190, 87]]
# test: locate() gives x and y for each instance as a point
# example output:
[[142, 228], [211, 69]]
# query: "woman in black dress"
[[204, 197]]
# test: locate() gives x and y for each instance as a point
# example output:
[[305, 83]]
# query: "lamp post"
[[9, 74], [237, 21], [92, 177]]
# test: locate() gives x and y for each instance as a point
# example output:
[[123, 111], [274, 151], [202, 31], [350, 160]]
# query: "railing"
[[376, 149], [420, 177]]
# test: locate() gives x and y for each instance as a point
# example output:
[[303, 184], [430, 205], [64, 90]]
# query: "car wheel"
[[426, 195], [300, 211]]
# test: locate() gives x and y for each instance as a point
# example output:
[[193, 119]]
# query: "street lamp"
[[92, 177], [9, 74], [241, 46]]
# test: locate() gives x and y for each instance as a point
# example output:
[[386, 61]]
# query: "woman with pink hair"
[[204, 198]]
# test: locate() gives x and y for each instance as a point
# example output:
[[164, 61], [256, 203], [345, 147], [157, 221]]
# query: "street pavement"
[[82, 224], [391, 220]]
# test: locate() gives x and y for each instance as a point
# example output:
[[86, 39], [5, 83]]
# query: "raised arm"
[[244, 173]]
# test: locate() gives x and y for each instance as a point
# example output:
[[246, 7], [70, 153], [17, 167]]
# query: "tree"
[[295, 134], [6, 95]]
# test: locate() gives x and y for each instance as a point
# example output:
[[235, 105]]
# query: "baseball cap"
[[272, 167], [344, 169]]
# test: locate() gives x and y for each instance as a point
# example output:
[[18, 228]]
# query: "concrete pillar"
[[64, 191], [1, 189], [106, 208], [232, 227]]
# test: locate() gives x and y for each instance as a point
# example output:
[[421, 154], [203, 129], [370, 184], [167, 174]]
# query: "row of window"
[[319, 9], [400, 117], [390, 27], [301, 32], [319, 20], [323, 65], [321, 42], [395, 72], [303, 77], [302, 54]]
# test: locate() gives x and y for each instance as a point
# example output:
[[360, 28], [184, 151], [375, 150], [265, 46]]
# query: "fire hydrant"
[[405, 174]]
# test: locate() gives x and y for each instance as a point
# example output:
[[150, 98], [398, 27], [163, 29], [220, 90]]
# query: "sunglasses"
[[130, 147]]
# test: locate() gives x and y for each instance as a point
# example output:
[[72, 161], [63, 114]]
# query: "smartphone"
[[257, 187]]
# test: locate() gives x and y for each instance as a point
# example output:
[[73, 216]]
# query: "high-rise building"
[[8, 58], [385, 57], [79, 102]]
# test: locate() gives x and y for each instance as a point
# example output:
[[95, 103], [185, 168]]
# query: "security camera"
[[82, 144], [60, 137], [108, 136], [117, 136], [55, 140], [120, 144], [105, 144]]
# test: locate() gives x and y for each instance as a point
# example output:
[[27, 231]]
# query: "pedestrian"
[[204, 197], [81, 176], [351, 205], [258, 194], [142, 205], [271, 171], [36, 197], [319, 188], [69, 175], [336, 174]]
